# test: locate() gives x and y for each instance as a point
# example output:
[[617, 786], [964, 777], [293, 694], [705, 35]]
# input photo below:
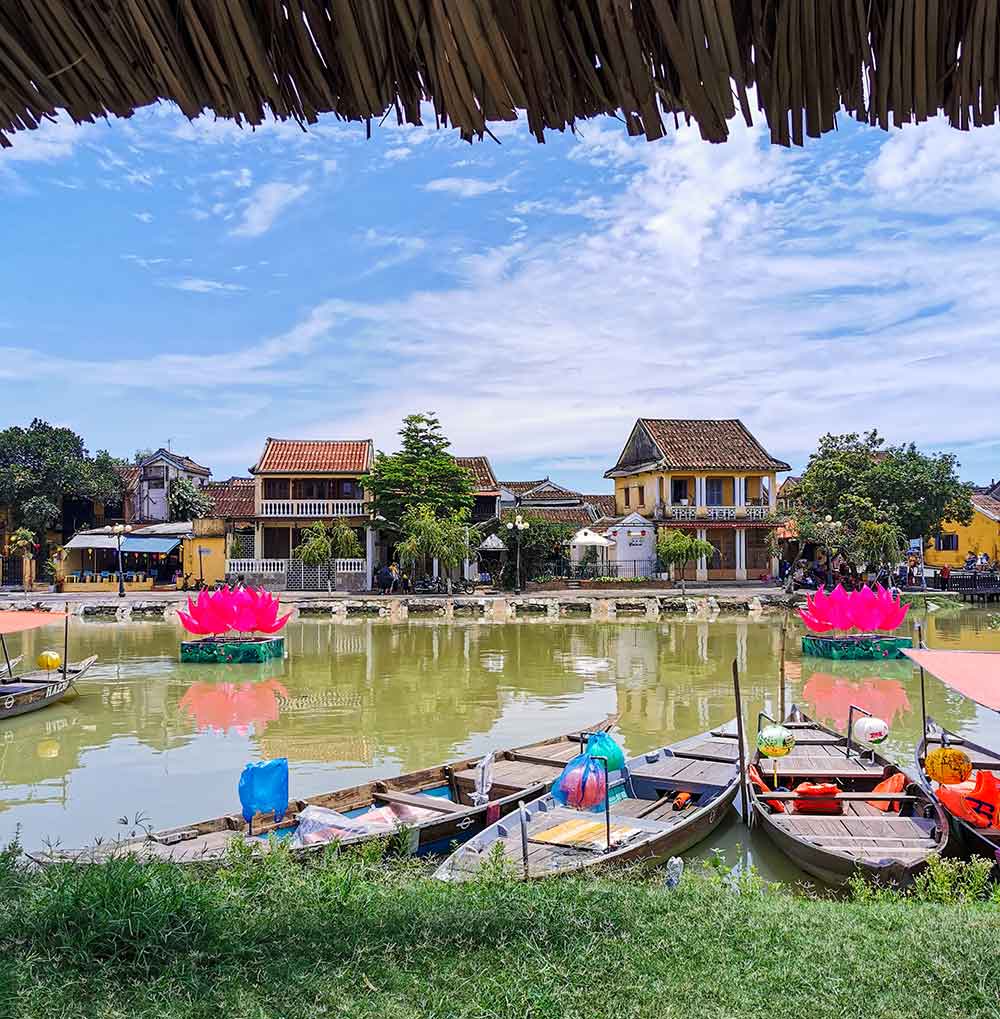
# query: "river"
[[149, 737]]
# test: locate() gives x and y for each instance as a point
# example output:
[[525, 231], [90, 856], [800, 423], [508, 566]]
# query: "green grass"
[[365, 938]]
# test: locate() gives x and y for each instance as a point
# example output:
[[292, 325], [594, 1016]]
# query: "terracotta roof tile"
[[234, 499], [988, 505], [480, 469], [603, 504], [520, 487], [708, 444], [314, 456], [129, 473], [579, 515]]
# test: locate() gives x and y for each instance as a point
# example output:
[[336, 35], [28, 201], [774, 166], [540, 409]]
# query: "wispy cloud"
[[466, 187], [143, 217], [196, 285], [399, 248], [265, 205]]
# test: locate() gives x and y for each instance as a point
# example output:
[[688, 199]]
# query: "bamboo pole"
[[781, 665], [524, 837], [65, 661], [747, 816]]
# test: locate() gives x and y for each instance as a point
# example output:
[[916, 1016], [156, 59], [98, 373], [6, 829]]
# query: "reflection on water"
[[150, 735]]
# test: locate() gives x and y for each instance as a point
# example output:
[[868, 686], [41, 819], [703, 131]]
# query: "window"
[[678, 490], [154, 477], [309, 488], [627, 490], [659, 490], [946, 542], [641, 493], [349, 489], [713, 491], [276, 488]]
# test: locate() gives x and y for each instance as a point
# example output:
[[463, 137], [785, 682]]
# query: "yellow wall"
[[649, 480], [981, 535], [213, 565]]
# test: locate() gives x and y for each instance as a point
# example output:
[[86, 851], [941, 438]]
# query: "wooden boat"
[[643, 824], [435, 808], [889, 847], [39, 689], [981, 841], [10, 665]]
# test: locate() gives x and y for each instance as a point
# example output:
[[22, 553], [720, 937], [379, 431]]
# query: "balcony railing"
[[312, 508], [759, 512], [721, 512], [279, 567], [683, 512]]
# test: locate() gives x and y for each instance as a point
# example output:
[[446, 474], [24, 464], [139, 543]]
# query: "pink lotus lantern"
[[866, 611], [245, 610]]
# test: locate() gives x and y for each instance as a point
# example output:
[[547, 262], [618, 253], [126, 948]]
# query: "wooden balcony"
[[311, 508]]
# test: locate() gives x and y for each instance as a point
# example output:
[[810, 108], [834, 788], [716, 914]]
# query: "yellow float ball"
[[49, 660], [948, 765]]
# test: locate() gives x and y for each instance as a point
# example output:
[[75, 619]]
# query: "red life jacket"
[[893, 784], [776, 805], [976, 802], [811, 803]]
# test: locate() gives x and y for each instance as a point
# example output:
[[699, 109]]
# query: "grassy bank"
[[365, 938]]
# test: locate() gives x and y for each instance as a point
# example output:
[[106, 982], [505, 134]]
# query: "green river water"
[[152, 737]]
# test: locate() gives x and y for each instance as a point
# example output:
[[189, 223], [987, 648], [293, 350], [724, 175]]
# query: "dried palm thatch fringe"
[[479, 61]]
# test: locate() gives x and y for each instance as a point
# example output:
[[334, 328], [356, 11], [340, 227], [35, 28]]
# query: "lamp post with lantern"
[[120, 531], [517, 525], [831, 530]]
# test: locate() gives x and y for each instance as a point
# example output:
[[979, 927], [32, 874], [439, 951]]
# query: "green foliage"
[[188, 502], [427, 536], [542, 543], [422, 473], [315, 548], [879, 544], [344, 541], [356, 934], [944, 882], [21, 541], [42, 464], [680, 548], [855, 478]]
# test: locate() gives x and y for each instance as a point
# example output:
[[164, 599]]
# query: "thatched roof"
[[481, 60]]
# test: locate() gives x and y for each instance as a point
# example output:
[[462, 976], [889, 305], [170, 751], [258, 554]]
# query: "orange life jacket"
[[893, 784], [812, 804], [976, 802], [776, 805]]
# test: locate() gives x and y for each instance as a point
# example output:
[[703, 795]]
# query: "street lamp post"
[[120, 531], [517, 525], [832, 527]]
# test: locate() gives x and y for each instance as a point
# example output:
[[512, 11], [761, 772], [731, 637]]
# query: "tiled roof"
[[708, 444], [129, 473], [563, 495], [520, 487], [581, 515], [480, 469], [192, 465], [234, 499], [987, 505], [314, 456], [789, 484], [603, 504]]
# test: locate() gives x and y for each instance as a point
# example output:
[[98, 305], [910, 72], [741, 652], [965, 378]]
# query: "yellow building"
[[956, 541], [710, 476]]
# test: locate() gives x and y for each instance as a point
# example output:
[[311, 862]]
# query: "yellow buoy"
[[948, 765], [49, 660]]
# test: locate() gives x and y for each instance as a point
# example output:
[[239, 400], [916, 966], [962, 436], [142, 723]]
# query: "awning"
[[18, 622], [133, 543], [92, 541], [973, 673]]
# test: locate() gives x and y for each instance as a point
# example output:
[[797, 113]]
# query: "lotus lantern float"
[[865, 611], [245, 610]]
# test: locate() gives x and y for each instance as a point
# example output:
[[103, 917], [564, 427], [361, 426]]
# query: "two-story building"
[[981, 534], [709, 476], [295, 483], [486, 490], [156, 473]]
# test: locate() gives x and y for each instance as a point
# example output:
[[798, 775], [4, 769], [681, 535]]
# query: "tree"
[[423, 473], [42, 465], [315, 548], [344, 541], [879, 545], [187, 502], [856, 478], [678, 548], [428, 536], [543, 542]]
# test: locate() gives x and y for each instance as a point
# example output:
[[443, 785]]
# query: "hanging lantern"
[[871, 730], [48, 660], [948, 765], [775, 741]]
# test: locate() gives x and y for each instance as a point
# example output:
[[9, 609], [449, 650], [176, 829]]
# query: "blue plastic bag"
[[581, 785], [264, 787], [600, 744]]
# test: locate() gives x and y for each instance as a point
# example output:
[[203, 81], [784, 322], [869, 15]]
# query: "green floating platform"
[[864, 647], [232, 650]]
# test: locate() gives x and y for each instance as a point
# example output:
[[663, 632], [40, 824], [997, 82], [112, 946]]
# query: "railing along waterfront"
[[312, 508], [619, 570], [280, 566]]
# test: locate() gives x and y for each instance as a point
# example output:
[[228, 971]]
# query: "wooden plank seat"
[[821, 767], [713, 749], [436, 803], [685, 773], [508, 775], [845, 825]]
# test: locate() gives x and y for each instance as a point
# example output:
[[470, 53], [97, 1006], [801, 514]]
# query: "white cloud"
[[265, 205], [466, 187], [244, 178], [399, 248], [143, 217], [53, 140], [202, 286]]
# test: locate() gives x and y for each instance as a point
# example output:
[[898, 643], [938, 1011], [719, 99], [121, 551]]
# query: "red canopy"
[[973, 673], [17, 622]]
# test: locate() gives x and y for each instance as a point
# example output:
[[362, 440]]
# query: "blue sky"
[[210, 286]]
